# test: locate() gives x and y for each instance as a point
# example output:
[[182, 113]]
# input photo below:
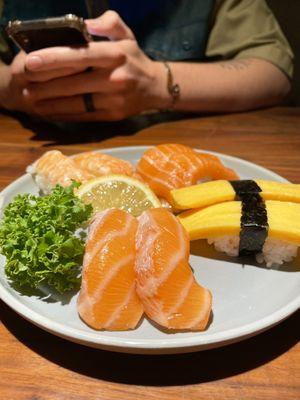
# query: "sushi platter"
[[174, 270]]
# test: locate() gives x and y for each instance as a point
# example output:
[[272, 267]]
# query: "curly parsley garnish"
[[37, 237]]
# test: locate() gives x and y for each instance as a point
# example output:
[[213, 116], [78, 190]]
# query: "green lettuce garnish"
[[37, 237]]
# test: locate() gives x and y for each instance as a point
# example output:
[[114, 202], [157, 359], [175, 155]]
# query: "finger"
[[17, 65], [110, 25], [95, 54], [44, 76], [86, 82], [75, 105]]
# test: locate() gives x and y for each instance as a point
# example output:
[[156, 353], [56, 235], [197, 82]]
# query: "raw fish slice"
[[172, 166], [214, 169], [103, 164], [166, 167], [54, 167], [108, 298], [165, 282]]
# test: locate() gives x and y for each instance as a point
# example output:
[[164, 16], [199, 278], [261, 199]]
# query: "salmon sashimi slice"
[[214, 169], [103, 164], [54, 167], [108, 298], [165, 282], [172, 166]]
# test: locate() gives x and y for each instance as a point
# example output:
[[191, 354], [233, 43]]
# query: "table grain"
[[35, 365]]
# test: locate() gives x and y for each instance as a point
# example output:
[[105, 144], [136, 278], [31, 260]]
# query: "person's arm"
[[234, 85], [124, 81], [255, 61]]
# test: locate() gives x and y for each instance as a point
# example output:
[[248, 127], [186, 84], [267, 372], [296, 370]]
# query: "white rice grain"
[[228, 244], [275, 252]]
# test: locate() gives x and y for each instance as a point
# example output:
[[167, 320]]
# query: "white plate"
[[247, 299]]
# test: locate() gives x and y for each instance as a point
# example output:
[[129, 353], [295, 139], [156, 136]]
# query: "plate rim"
[[201, 341]]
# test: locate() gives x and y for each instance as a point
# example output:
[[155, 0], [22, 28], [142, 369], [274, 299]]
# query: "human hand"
[[14, 79], [123, 81]]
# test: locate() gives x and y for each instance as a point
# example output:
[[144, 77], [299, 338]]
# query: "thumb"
[[111, 25]]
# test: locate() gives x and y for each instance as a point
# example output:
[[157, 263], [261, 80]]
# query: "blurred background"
[[288, 15]]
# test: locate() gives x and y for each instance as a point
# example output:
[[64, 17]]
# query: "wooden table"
[[35, 365]]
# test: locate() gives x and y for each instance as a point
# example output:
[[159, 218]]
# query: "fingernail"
[[34, 62], [91, 21], [93, 25], [92, 30]]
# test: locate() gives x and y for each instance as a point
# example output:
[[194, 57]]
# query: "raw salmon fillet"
[[108, 298], [172, 166], [54, 167], [215, 169], [165, 282], [103, 164]]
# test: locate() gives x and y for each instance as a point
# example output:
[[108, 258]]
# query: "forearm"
[[228, 86]]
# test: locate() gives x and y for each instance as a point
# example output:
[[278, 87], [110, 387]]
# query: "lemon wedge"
[[118, 191]]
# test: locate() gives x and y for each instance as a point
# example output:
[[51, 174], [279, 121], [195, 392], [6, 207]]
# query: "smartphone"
[[31, 35]]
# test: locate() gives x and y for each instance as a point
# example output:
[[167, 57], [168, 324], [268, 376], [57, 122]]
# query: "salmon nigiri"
[[108, 298], [173, 166], [165, 282], [54, 167], [103, 164]]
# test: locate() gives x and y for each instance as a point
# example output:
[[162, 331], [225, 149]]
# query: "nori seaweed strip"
[[254, 218], [243, 187]]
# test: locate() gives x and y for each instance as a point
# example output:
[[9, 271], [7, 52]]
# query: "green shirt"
[[239, 29], [248, 29]]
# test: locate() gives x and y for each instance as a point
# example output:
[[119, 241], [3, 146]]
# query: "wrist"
[[158, 96]]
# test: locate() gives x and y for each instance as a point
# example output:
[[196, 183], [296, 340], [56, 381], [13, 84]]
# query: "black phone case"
[[51, 32]]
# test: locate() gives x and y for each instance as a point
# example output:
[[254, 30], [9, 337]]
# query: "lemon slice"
[[118, 191]]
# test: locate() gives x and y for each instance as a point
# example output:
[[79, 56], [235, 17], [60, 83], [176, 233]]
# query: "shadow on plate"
[[203, 249], [164, 370], [45, 293]]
